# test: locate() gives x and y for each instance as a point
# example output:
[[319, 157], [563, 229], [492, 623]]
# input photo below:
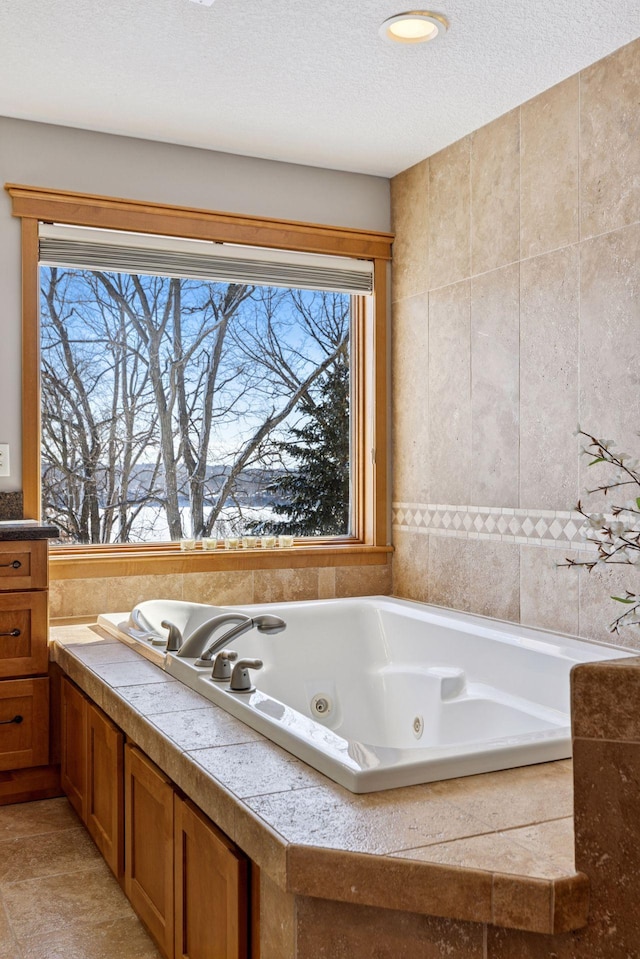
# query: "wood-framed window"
[[368, 539]]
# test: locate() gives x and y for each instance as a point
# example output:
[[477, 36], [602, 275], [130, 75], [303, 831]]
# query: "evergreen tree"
[[314, 499]]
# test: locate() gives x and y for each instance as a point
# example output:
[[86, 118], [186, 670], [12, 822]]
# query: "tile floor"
[[58, 899]]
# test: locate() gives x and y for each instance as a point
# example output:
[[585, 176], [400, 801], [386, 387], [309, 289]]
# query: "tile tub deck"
[[495, 848]]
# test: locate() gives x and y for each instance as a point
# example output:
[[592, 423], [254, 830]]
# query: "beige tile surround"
[[606, 769], [516, 311], [85, 599]]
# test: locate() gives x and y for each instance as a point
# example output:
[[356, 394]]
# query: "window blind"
[[118, 252]]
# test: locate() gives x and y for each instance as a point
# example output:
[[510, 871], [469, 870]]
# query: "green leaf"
[[622, 599], [600, 459], [638, 502]]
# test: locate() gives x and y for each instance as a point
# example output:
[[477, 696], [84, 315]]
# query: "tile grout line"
[[475, 835], [83, 924], [558, 249], [580, 584], [520, 147], [9, 924], [276, 792], [520, 152], [427, 445], [47, 832], [470, 282], [89, 866]]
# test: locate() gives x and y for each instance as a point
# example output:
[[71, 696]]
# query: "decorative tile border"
[[531, 527]]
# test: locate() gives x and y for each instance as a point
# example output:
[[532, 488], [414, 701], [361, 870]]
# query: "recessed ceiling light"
[[415, 26]]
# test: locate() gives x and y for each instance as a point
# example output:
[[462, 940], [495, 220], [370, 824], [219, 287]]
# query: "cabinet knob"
[[14, 564], [11, 632]]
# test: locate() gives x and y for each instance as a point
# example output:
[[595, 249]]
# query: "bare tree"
[[97, 421], [156, 379]]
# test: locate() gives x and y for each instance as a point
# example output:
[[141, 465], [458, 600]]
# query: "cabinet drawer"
[[23, 634], [23, 565], [24, 743]]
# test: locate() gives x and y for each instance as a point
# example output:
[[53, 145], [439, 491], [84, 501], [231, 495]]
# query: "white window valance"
[[118, 252]]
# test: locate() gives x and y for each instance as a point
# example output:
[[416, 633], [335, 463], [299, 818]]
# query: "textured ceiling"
[[296, 80]]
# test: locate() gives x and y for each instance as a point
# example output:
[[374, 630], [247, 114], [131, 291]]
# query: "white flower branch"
[[616, 537]]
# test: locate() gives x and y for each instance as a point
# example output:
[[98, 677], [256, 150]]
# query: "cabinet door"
[[73, 765], [105, 787], [23, 634], [211, 889], [24, 723], [149, 846], [23, 565]]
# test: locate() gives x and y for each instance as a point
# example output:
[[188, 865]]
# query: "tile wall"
[[516, 312], [606, 762], [84, 599]]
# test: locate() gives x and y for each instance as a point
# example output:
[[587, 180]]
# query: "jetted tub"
[[377, 692]]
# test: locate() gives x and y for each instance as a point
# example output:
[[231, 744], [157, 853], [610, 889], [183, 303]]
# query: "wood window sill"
[[103, 561]]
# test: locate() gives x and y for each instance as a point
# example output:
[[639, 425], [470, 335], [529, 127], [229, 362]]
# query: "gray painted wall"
[[40, 154]]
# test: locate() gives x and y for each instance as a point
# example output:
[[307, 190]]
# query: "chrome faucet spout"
[[195, 644], [264, 624], [174, 640]]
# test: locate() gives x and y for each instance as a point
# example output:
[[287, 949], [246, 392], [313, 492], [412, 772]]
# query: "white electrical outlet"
[[5, 469]]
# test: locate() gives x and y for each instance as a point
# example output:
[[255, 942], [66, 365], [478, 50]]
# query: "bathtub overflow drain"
[[418, 727], [321, 705]]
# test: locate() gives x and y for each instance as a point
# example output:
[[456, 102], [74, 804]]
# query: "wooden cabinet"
[[92, 772], [24, 702], [185, 879], [24, 723], [104, 804], [23, 565], [73, 745], [211, 919], [23, 634], [148, 877]]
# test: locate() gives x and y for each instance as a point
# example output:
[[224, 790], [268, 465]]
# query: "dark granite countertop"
[[15, 530]]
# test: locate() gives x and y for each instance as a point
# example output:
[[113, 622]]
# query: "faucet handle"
[[174, 642], [240, 678], [222, 665]]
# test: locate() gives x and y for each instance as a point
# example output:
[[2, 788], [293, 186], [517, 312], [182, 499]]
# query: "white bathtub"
[[411, 693]]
